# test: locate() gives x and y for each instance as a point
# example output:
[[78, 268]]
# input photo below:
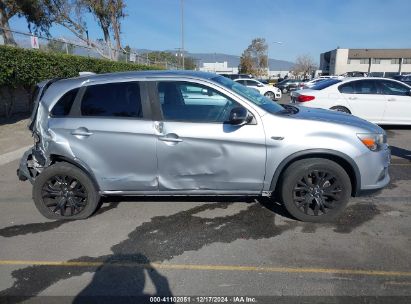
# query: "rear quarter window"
[[63, 106], [325, 84]]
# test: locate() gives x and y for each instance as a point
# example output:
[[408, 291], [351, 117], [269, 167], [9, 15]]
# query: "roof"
[[143, 75]]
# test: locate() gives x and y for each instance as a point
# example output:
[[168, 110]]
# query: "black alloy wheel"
[[64, 195], [317, 192], [315, 189], [64, 191]]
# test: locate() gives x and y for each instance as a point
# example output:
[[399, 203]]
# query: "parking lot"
[[205, 246]]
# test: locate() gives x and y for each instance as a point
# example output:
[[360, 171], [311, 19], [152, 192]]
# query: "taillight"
[[305, 98]]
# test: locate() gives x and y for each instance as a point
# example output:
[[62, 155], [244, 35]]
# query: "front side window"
[[252, 83], [394, 88], [190, 102], [120, 99], [63, 106]]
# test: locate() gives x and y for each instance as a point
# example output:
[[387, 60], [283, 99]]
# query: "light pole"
[[182, 31], [268, 58]]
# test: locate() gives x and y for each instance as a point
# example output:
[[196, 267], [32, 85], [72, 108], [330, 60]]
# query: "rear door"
[[398, 109], [109, 131], [198, 151], [364, 98]]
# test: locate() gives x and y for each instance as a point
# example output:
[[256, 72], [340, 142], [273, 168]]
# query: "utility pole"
[[182, 32]]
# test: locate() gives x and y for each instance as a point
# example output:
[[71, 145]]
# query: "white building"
[[218, 67], [223, 68], [375, 62]]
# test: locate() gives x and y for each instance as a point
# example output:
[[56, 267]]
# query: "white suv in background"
[[269, 91], [379, 100]]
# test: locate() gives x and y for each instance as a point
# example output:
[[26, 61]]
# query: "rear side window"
[[112, 100], [63, 106], [359, 87]]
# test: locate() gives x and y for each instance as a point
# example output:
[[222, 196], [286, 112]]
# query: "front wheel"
[[315, 189], [63, 191]]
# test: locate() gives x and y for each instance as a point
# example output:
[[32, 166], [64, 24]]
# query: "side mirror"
[[239, 116], [206, 92]]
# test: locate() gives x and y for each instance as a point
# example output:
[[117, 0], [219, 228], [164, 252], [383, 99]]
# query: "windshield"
[[325, 84], [250, 94]]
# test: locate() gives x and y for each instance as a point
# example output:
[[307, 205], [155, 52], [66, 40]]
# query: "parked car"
[[355, 74], [403, 78], [193, 133], [288, 85], [236, 76], [379, 100], [267, 90]]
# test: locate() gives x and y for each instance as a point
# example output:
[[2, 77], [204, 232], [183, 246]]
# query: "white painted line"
[[13, 155]]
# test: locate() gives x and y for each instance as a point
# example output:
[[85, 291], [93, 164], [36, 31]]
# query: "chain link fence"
[[94, 49]]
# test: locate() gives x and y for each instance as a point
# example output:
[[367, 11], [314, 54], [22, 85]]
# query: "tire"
[[315, 190], [270, 95], [341, 109], [64, 192]]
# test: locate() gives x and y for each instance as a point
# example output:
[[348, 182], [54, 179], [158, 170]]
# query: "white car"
[[379, 100], [313, 82], [266, 90]]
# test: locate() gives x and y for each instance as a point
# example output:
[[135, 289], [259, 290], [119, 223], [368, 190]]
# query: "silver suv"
[[191, 133]]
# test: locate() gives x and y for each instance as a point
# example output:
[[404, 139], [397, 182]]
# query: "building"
[[223, 68], [218, 67], [375, 62]]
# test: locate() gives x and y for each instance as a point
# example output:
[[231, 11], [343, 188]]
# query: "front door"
[[198, 151], [398, 109]]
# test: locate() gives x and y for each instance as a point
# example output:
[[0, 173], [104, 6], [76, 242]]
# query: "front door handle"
[[352, 98], [391, 99]]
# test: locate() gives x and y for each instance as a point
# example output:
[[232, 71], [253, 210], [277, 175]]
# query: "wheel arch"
[[55, 158], [346, 162]]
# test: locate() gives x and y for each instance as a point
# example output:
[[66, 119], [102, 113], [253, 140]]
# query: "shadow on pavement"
[[401, 153]]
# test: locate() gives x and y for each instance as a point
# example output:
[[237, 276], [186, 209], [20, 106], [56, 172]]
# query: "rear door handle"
[[391, 99], [170, 137], [352, 98], [82, 132]]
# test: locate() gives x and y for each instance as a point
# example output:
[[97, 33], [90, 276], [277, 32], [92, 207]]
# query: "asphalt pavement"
[[209, 247]]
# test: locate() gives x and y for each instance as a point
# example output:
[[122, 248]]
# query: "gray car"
[[192, 133]]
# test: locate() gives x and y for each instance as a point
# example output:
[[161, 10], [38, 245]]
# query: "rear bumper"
[[23, 172]]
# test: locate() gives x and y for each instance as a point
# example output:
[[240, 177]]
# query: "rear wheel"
[[341, 109], [315, 189], [63, 191], [270, 95]]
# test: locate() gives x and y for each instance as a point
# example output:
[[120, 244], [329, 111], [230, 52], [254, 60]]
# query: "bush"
[[22, 67]]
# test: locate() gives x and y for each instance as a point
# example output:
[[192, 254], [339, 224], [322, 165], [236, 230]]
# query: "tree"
[[254, 58], [304, 65], [108, 14], [34, 11]]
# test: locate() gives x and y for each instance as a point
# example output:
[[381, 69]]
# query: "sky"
[[228, 26]]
